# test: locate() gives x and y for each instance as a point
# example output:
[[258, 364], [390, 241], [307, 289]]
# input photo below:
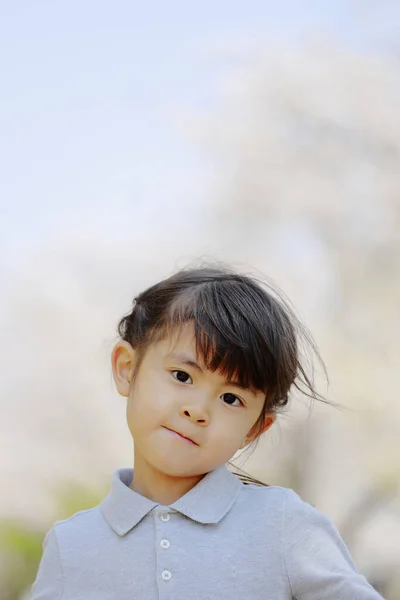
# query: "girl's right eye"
[[181, 376]]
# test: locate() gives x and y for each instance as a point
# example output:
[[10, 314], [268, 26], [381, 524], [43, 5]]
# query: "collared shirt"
[[221, 540]]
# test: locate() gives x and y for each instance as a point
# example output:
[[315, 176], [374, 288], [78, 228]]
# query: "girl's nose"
[[197, 413]]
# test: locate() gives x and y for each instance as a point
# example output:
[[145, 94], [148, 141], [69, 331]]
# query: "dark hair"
[[244, 328]]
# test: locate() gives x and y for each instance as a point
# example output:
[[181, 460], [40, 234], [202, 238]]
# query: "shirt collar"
[[208, 502]]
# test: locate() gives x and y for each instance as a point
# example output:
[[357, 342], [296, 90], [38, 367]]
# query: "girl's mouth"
[[181, 436]]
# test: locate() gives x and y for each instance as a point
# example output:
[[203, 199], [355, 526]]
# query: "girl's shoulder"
[[270, 493], [83, 525], [286, 512], [282, 499], [87, 515]]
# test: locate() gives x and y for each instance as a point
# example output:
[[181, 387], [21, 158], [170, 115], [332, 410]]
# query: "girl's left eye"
[[181, 376], [230, 399]]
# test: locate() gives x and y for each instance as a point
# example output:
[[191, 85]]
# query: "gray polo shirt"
[[222, 540]]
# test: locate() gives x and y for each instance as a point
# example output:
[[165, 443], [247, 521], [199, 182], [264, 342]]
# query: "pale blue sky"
[[94, 97]]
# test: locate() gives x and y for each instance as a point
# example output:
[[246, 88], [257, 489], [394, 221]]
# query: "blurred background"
[[136, 139]]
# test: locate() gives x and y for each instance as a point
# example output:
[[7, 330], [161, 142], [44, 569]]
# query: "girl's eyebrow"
[[188, 360]]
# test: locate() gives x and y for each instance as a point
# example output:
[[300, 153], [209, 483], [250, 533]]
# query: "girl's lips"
[[183, 437]]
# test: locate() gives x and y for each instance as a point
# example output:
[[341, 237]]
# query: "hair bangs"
[[225, 340]]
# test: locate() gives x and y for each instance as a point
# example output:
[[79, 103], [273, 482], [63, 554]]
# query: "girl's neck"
[[157, 486]]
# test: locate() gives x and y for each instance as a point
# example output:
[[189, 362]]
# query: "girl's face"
[[185, 420]]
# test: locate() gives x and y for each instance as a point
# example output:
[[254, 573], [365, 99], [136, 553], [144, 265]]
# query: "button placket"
[[163, 545]]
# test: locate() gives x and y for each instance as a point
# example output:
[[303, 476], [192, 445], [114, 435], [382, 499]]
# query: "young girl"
[[206, 359]]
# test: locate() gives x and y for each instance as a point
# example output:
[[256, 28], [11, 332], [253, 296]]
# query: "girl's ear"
[[253, 434], [123, 360]]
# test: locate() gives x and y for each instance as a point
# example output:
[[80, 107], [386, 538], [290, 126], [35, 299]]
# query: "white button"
[[165, 544], [166, 575], [165, 517]]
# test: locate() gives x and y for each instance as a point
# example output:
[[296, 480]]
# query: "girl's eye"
[[181, 376], [230, 399]]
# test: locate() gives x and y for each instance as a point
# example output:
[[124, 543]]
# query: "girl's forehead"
[[181, 347], [178, 339], [179, 343]]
